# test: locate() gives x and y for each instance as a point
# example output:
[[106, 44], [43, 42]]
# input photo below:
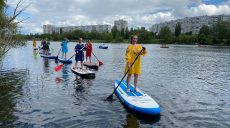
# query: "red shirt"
[[88, 49]]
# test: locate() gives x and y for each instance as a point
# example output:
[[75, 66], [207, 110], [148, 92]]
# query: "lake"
[[190, 83]]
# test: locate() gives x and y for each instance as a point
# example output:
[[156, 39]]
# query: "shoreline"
[[127, 42]]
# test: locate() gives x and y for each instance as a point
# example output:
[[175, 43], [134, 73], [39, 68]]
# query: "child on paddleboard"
[[47, 47], [34, 43], [79, 53], [89, 50], [43, 43], [132, 52], [64, 47]]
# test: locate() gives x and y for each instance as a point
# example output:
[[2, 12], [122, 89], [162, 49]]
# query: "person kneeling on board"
[[132, 52], [79, 53]]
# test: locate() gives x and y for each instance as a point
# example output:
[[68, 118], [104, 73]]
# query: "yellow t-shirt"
[[132, 52]]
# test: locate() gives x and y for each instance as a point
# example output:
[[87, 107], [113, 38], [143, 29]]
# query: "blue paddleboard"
[[64, 60], [139, 101]]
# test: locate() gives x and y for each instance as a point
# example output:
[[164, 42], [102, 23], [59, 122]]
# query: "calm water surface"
[[191, 84]]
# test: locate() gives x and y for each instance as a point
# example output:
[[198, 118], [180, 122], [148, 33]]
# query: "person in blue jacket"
[[64, 47], [79, 53]]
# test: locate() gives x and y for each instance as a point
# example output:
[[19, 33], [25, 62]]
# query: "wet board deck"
[[83, 72], [91, 65], [139, 101]]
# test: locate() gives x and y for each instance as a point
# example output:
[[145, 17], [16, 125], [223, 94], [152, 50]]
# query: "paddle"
[[111, 96], [59, 67], [100, 63], [56, 58]]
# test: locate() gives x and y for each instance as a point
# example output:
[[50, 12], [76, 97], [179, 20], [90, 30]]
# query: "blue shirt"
[[79, 48]]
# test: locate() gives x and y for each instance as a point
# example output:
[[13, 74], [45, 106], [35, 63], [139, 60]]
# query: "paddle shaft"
[[58, 54], [59, 51], [95, 56], [127, 71]]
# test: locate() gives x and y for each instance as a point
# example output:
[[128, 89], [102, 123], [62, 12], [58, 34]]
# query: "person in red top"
[[89, 50]]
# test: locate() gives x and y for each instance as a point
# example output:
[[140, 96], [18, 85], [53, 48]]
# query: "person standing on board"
[[132, 52], [64, 47], [89, 50], [43, 43], [47, 48], [34, 43], [79, 53]]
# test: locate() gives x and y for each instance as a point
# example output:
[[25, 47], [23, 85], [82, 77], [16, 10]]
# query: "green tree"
[[9, 28], [123, 32], [127, 33], [205, 30], [108, 37], [204, 36], [221, 30], [177, 29], [115, 32], [165, 35]]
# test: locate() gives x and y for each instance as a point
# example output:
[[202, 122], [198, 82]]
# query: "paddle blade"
[[58, 68], [110, 98], [100, 63]]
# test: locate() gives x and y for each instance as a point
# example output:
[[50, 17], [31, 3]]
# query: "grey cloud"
[[136, 12]]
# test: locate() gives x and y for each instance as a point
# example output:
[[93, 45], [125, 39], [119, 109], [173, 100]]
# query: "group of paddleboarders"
[[79, 48], [133, 52]]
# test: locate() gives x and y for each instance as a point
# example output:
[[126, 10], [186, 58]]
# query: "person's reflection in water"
[[35, 54], [65, 75], [46, 65], [82, 88], [79, 89], [131, 122], [58, 80]]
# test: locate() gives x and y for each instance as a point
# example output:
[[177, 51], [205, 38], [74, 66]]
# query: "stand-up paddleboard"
[[83, 72], [44, 52], [91, 65], [103, 47], [139, 101], [64, 60], [47, 56]]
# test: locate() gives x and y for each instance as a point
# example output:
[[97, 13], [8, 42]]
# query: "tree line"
[[114, 36], [218, 34]]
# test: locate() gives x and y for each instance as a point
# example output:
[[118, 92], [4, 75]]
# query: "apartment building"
[[191, 24], [121, 24], [89, 28]]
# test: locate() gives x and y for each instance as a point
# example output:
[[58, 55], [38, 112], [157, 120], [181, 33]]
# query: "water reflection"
[[65, 74], [82, 88], [35, 52], [46, 65], [11, 82], [133, 119], [131, 122]]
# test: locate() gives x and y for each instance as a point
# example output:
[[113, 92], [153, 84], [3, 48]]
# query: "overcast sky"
[[91, 12]]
